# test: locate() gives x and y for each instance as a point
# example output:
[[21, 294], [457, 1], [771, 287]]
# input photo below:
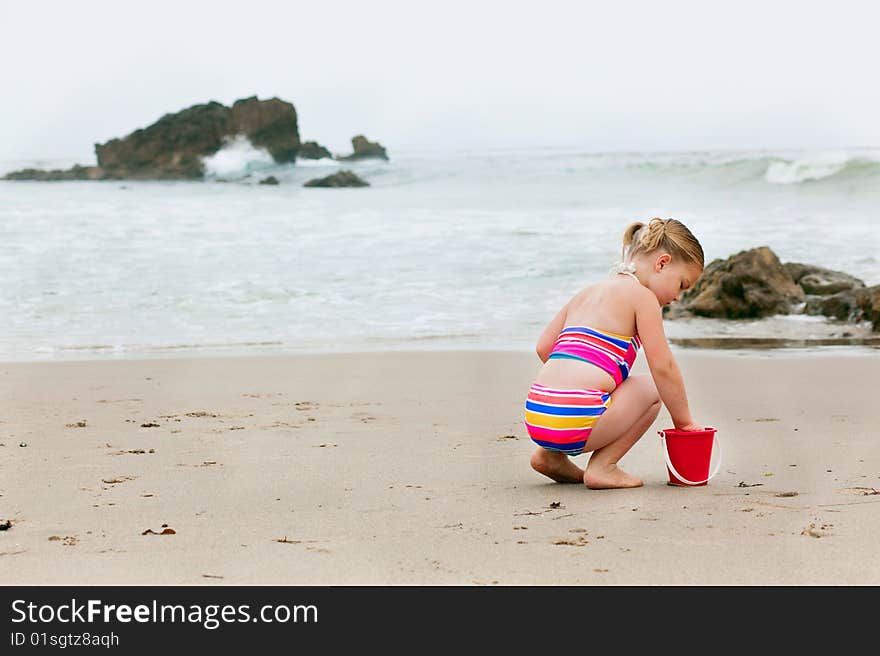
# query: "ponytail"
[[629, 236], [669, 235]]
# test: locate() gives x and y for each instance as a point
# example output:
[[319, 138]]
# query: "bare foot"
[[557, 466], [603, 477]]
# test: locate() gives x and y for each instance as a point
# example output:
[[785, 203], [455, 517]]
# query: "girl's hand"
[[692, 426]]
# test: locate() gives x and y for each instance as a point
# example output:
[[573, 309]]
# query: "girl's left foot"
[[603, 477], [557, 466]]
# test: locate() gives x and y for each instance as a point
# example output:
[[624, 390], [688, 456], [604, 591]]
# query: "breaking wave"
[[237, 159], [820, 167]]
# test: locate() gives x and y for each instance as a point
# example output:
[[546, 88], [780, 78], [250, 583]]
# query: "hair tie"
[[624, 267]]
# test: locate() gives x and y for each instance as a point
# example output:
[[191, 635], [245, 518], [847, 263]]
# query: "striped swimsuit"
[[562, 419]]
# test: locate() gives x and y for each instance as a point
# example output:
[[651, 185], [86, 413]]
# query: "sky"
[[449, 75]]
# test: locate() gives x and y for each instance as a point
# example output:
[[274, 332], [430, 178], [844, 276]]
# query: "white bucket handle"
[[715, 443]]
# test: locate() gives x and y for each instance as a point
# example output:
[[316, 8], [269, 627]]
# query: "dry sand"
[[412, 468]]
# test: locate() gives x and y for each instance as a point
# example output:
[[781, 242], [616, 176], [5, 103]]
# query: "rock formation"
[[753, 284], [76, 173], [313, 150], [364, 149], [172, 148], [340, 179], [748, 285], [822, 282]]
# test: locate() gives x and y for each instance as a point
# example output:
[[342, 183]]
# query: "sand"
[[412, 468]]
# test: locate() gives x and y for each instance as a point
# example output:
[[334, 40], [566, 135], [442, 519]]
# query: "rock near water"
[[77, 172], [754, 283], [340, 179], [748, 285], [364, 149], [172, 148], [822, 282], [313, 150]]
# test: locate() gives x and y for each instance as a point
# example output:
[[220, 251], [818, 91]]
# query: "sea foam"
[[237, 159], [815, 167]]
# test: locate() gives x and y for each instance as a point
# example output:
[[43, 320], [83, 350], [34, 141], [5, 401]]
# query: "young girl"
[[583, 398]]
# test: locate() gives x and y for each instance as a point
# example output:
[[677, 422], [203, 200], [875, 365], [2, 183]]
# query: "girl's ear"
[[662, 261]]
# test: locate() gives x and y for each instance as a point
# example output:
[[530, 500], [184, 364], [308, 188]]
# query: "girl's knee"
[[649, 389]]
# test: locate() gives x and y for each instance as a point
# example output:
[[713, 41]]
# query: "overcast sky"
[[647, 75]]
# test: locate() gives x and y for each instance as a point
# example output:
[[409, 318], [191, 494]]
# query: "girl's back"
[[607, 307]]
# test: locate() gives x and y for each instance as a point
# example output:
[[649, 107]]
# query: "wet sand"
[[412, 468]]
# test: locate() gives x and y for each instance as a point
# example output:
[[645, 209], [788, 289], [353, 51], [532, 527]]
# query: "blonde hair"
[[669, 235]]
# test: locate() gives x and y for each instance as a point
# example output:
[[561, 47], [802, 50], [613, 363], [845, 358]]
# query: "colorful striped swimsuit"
[[562, 419], [609, 351]]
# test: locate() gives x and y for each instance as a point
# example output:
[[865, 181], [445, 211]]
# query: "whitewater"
[[467, 249]]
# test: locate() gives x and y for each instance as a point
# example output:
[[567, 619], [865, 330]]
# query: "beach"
[[412, 467]]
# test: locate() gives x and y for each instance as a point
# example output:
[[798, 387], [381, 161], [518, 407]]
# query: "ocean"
[[444, 249]]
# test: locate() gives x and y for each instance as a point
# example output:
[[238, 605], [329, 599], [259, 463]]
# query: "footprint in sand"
[[864, 491]]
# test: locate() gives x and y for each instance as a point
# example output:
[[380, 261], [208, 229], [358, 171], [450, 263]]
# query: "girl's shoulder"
[[621, 291]]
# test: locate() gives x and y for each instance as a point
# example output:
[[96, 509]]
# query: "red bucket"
[[688, 456]]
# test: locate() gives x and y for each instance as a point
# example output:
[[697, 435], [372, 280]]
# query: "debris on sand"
[[117, 479], [864, 491], [816, 532], [165, 531]]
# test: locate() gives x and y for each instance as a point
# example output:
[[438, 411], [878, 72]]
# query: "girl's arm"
[[664, 369], [551, 332]]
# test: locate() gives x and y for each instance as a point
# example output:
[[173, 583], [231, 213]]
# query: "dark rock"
[[340, 179], [748, 285], [76, 173], [313, 150], [797, 270], [868, 302], [172, 148], [822, 282], [269, 124], [364, 149], [841, 306], [271, 180]]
